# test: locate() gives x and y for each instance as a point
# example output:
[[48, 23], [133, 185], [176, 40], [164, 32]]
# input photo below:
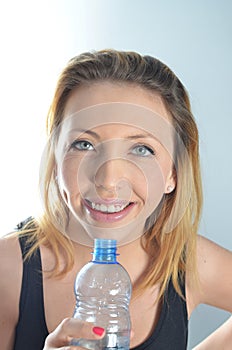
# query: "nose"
[[111, 177]]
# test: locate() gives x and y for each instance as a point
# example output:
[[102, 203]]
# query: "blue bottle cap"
[[105, 243]]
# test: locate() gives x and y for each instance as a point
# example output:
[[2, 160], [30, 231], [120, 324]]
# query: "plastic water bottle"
[[103, 291]]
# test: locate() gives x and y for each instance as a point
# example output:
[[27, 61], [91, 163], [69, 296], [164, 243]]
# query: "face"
[[114, 160]]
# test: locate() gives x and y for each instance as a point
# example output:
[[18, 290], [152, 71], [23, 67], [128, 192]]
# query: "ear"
[[170, 182]]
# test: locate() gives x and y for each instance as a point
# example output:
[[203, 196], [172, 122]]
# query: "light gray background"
[[192, 37]]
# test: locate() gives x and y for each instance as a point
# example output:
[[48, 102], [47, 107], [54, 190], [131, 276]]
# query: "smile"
[[112, 208], [111, 212]]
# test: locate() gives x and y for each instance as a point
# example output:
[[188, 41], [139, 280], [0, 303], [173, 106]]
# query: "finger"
[[71, 328], [132, 333], [69, 347]]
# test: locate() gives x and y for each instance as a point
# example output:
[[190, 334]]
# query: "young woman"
[[121, 162]]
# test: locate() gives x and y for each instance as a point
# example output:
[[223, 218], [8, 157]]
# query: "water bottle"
[[103, 291]]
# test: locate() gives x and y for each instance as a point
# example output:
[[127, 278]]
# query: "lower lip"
[[108, 217]]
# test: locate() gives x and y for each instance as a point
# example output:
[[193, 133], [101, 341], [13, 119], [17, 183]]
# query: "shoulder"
[[10, 254], [10, 275], [214, 266], [209, 253]]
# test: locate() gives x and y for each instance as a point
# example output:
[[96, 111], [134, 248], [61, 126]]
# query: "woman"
[[121, 162]]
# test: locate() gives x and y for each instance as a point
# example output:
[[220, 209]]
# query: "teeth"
[[108, 208], [103, 207], [111, 209]]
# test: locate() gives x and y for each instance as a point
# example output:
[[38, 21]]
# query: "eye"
[[142, 151], [82, 145]]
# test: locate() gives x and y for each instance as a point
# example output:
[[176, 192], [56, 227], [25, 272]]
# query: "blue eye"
[[82, 145], [142, 151]]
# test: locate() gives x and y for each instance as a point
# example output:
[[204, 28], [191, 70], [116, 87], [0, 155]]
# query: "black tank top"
[[171, 331]]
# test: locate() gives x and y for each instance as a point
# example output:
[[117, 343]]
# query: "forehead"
[[107, 92]]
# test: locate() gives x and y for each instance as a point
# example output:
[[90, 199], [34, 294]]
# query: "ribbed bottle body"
[[103, 291]]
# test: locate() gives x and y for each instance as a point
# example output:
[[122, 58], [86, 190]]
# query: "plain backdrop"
[[192, 37]]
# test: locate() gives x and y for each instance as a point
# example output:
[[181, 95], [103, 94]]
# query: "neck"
[[134, 259]]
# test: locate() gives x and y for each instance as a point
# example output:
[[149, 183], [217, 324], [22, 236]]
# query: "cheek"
[[68, 176], [156, 183], [151, 185]]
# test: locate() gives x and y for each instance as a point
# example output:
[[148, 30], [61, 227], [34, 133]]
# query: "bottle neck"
[[105, 255]]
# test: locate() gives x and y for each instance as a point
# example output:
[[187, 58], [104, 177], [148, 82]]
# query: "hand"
[[70, 329]]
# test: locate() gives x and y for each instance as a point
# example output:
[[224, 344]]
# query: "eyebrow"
[[138, 136], [129, 137], [90, 132]]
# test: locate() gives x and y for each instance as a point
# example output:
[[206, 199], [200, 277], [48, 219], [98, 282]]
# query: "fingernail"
[[98, 330]]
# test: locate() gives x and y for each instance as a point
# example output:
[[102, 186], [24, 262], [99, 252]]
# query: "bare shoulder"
[[214, 265], [10, 286], [207, 248], [10, 255], [214, 262]]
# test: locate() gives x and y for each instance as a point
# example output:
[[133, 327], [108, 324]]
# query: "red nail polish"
[[98, 330]]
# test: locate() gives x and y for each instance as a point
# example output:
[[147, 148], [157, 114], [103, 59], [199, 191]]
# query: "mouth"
[[108, 212]]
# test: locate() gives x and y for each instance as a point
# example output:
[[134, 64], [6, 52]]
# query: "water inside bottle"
[[111, 341]]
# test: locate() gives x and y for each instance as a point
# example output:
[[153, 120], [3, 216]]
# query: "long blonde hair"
[[170, 253]]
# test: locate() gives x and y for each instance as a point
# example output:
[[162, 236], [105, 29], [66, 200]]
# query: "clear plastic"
[[103, 291]]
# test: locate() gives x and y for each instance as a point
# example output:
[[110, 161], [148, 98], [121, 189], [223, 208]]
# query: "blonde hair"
[[170, 253]]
